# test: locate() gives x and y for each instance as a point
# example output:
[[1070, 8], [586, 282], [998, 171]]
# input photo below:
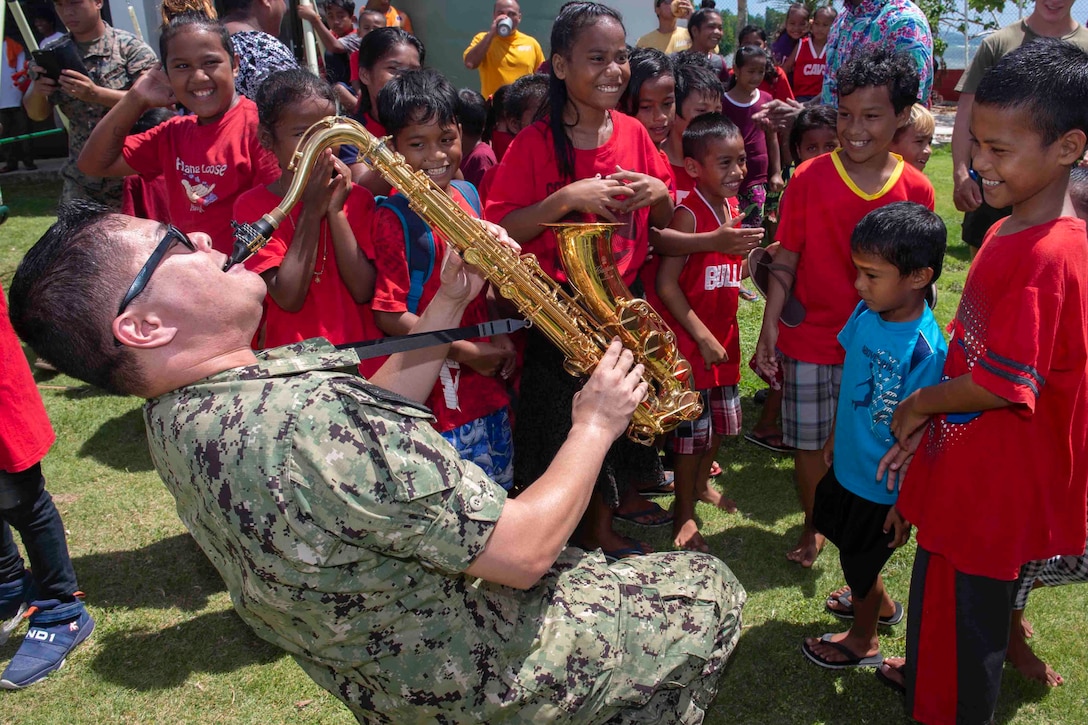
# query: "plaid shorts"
[[1053, 572], [810, 392], [721, 417]]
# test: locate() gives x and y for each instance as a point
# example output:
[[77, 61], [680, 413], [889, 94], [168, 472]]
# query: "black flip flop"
[[847, 615], [853, 659]]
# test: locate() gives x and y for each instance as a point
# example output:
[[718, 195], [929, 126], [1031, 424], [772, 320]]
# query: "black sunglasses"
[[173, 235]]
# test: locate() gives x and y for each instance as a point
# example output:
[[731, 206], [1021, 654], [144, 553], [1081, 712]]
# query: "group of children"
[[996, 432]]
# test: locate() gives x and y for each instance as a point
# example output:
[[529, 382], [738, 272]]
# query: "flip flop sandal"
[[768, 442], [894, 684], [761, 267], [847, 612], [626, 552], [715, 469], [652, 516], [667, 488], [853, 660]]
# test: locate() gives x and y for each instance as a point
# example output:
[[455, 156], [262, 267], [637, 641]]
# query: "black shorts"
[[856, 526], [976, 223]]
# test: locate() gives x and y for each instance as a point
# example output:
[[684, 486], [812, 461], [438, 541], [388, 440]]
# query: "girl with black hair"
[[584, 162]]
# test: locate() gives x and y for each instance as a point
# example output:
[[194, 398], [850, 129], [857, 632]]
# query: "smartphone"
[[748, 213]]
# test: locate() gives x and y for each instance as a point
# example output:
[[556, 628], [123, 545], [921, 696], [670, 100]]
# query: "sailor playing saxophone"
[[349, 533]]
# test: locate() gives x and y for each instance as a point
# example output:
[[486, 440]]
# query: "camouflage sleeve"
[[376, 474], [137, 56]]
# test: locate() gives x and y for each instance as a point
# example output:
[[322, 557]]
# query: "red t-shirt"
[[469, 394], [25, 432], [816, 219], [500, 141], [529, 174], [206, 167], [808, 68], [710, 282], [990, 491], [329, 310]]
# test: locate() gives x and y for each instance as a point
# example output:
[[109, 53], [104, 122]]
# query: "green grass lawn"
[[168, 647]]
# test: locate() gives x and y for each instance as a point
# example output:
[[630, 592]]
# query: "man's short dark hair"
[[904, 234], [703, 130], [1048, 79], [693, 79], [415, 97], [877, 65], [65, 294]]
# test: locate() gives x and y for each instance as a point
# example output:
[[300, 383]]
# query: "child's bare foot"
[[688, 538], [713, 496], [1027, 663], [808, 548], [891, 673], [836, 651]]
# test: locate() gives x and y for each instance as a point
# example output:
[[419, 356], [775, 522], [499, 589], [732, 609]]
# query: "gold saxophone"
[[581, 326]]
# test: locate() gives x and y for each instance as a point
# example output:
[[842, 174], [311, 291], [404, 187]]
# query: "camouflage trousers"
[[641, 640]]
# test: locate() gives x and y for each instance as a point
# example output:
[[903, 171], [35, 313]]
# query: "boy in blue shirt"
[[893, 347]]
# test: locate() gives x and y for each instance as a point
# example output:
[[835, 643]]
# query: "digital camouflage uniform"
[[342, 522], [112, 61]]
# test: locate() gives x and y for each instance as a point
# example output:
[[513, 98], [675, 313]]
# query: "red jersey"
[[529, 174], [816, 219], [25, 432], [206, 167], [461, 394], [681, 184], [990, 491], [710, 282], [808, 68], [329, 310]]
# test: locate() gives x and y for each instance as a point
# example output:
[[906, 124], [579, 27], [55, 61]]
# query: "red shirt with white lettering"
[[529, 174], [710, 282], [461, 394], [206, 167], [25, 432], [808, 68], [990, 491], [329, 310], [816, 219]]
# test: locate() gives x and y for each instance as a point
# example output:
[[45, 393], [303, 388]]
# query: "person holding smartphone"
[[112, 60]]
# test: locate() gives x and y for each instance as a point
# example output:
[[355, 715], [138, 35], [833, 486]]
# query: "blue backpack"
[[419, 241]]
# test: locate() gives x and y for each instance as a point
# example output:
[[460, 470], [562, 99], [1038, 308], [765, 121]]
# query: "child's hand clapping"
[[735, 239], [645, 190], [602, 197]]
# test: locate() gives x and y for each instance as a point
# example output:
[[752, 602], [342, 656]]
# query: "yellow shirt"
[[507, 60], [665, 42]]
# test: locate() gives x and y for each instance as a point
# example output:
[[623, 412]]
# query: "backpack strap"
[[472, 196], [419, 251]]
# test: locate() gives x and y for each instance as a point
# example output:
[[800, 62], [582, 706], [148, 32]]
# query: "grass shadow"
[[120, 443], [172, 572], [213, 643], [758, 557]]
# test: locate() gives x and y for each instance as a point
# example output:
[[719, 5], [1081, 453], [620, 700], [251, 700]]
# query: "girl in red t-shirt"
[[585, 161], [317, 265], [383, 53], [207, 158]]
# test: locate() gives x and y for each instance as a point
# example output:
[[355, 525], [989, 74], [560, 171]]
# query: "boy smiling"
[[828, 196], [1000, 473]]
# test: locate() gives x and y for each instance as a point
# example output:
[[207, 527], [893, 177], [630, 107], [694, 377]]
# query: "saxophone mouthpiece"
[[248, 238]]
